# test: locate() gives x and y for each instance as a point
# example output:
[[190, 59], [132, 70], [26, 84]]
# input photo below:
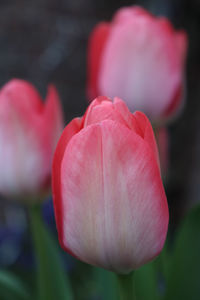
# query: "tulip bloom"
[[29, 131], [110, 205], [141, 59]]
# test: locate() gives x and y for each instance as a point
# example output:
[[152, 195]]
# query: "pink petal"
[[125, 14], [102, 108], [145, 128], [53, 115], [176, 104], [22, 164], [72, 128], [96, 46], [182, 45], [178, 100], [97, 101], [125, 113], [22, 94]]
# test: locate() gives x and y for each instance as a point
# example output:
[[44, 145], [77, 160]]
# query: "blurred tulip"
[[110, 205], [29, 130], [141, 59]]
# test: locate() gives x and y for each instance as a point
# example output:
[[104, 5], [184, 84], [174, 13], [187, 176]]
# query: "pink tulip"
[[110, 205], [29, 131], [141, 59]]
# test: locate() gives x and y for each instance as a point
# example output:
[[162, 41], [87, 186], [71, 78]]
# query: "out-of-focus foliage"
[[183, 273], [11, 287], [53, 283], [146, 282]]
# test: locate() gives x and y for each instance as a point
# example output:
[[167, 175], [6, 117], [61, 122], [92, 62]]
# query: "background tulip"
[[141, 59], [29, 130], [110, 205]]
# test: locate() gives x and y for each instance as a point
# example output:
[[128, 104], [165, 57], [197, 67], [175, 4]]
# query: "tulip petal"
[[147, 133], [125, 113], [127, 13], [72, 128], [53, 115], [181, 44], [111, 208], [21, 94], [176, 104], [96, 46], [178, 100], [102, 108], [22, 165]]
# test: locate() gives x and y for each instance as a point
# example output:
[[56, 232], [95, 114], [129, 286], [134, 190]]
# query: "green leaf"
[[53, 283], [146, 282], [184, 270], [107, 284], [126, 286], [11, 287]]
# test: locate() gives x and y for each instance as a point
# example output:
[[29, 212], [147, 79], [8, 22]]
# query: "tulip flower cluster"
[[110, 205]]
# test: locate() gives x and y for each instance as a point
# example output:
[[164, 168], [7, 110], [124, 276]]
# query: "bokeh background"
[[45, 41]]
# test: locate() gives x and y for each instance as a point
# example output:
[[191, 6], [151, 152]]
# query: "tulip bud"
[[29, 131], [141, 59], [110, 205]]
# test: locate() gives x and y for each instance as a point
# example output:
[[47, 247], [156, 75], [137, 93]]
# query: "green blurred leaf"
[[11, 287], [107, 284], [53, 283], [163, 261], [146, 282], [183, 278]]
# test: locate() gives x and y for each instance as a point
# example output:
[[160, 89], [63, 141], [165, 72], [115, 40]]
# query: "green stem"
[[126, 286], [36, 224], [52, 281]]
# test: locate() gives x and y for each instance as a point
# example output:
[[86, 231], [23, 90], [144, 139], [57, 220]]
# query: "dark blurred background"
[[45, 41]]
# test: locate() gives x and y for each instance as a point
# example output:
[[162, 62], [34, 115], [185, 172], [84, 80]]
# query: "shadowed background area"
[[45, 41]]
